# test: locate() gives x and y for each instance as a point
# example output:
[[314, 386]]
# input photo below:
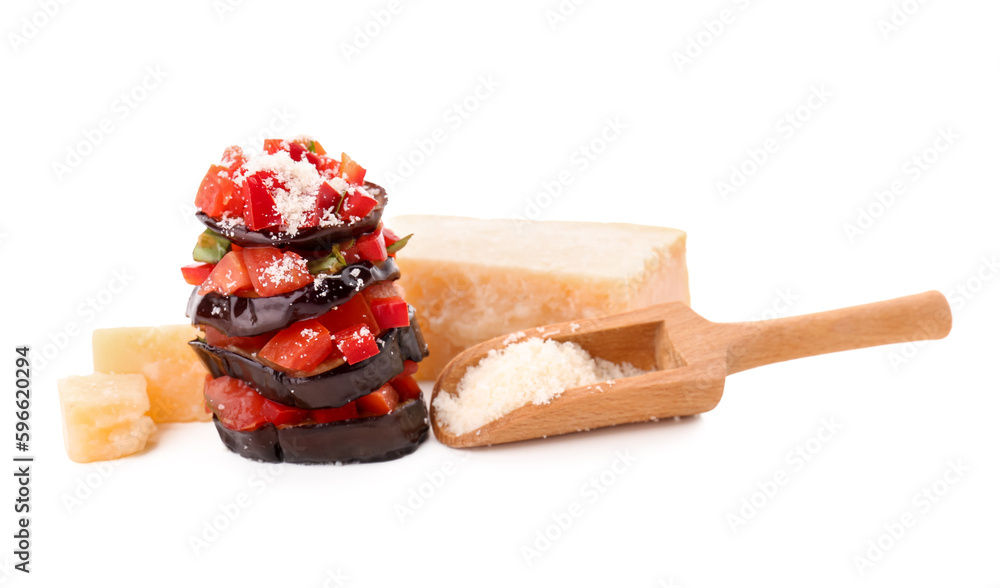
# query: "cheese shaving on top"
[[531, 371], [294, 187], [281, 270]]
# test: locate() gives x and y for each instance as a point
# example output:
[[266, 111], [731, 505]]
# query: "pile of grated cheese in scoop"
[[531, 371]]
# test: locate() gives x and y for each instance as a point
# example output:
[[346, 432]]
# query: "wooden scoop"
[[691, 357]]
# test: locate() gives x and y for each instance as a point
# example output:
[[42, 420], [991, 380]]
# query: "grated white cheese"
[[513, 337], [301, 184], [330, 219], [281, 270], [228, 222], [339, 184], [532, 371]]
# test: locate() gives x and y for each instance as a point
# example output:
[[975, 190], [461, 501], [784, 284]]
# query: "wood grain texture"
[[691, 358]]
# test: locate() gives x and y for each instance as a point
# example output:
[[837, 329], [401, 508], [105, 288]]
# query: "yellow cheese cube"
[[175, 377], [471, 279], [104, 416]]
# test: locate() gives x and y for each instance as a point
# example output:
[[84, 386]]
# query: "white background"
[[667, 520]]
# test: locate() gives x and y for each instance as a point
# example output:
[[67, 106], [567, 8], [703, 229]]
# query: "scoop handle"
[[910, 318]]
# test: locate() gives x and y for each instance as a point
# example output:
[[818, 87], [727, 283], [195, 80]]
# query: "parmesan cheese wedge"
[[471, 279], [175, 377], [104, 416]]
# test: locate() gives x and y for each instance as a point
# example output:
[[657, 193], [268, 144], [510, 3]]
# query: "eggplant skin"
[[329, 389], [313, 239], [237, 316], [362, 440]]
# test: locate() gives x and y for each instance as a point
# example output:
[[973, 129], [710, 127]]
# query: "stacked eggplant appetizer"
[[309, 342]]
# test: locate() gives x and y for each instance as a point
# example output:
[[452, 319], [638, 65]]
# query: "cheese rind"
[[104, 416], [471, 279], [175, 377]]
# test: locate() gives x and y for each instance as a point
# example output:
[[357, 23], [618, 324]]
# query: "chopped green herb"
[[398, 244], [312, 146], [340, 203], [329, 264], [211, 247]]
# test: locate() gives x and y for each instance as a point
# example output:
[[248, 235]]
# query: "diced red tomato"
[[216, 338], [302, 346], [328, 166], [328, 198], [196, 273], [380, 402], [391, 313], [371, 246], [260, 211], [410, 368], [296, 151], [229, 276], [312, 219], [389, 235], [237, 406], [351, 171], [406, 387], [357, 204], [356, 343], [217, 194], [240, 408], [275, 272], [282, 415], [233, 158], [332, 415], [235, 247], [384, 290], [312, 158], [353, 312], [351, 254], [273, 146]]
